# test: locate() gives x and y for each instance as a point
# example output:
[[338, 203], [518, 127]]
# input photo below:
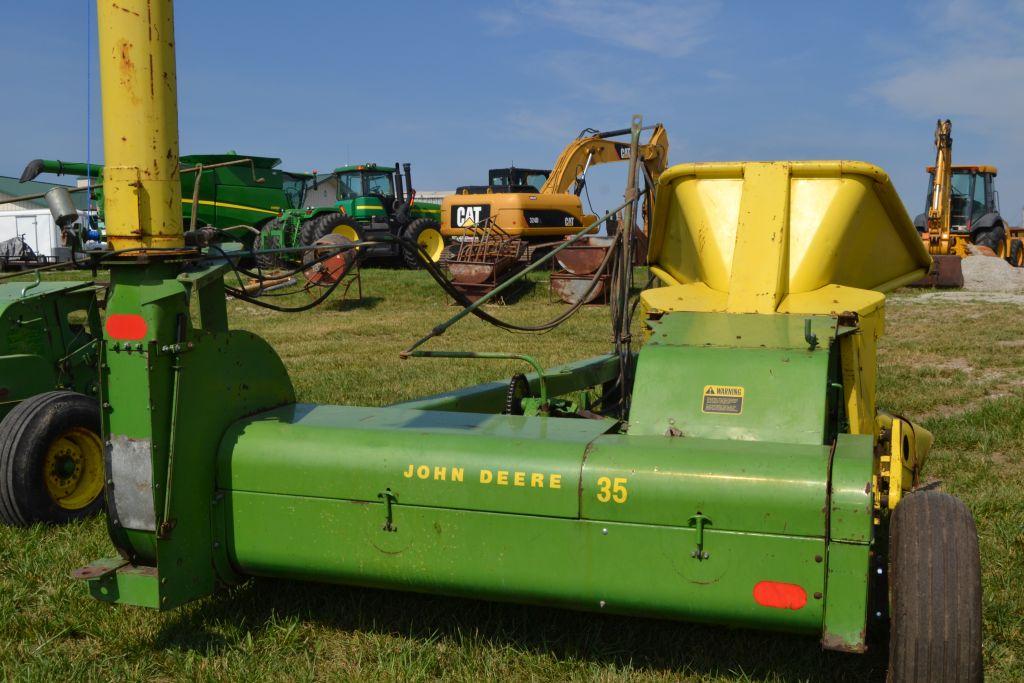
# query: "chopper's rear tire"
[[51, 460], [330, 223], [934, 591], [425, 232]]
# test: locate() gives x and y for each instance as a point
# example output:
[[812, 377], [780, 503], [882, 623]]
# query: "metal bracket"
[[699, 521], [389, 500]]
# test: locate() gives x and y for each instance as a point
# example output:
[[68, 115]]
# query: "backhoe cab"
[[973, 206]]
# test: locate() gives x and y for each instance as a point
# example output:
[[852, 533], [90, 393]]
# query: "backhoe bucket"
[[947, 272]]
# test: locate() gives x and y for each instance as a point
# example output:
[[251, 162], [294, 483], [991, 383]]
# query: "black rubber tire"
[[266, 240], [1016, 256], [25, 435], [991, 238], [324, 224], [412, 234], [934, 591]]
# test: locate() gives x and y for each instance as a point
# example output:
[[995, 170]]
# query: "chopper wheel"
[[336, 262], [51, 460], [426, 232], [518, 389], [934, 591]]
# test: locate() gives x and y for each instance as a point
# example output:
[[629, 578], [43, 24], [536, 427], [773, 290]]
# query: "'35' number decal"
[[614, 490]]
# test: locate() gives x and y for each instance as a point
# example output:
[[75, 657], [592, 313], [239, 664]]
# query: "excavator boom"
[[597, 148]]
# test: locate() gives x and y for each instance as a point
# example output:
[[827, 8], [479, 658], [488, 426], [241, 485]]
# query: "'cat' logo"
[[469, 216]]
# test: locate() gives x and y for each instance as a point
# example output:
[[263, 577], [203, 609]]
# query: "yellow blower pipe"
[[142, 189]]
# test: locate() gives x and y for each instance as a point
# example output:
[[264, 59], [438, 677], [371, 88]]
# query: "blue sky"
[[458, 87]]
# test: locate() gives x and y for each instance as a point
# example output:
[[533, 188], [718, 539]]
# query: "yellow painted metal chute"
[[788, 237]]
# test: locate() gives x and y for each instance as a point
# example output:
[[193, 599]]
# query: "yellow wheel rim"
[[346, 231], [73, 468], [431, 241]]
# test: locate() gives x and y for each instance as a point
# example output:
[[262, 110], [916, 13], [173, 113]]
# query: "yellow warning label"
[[722, 399]]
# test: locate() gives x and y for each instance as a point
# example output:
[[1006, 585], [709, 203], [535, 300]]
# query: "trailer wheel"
[[1016, 257], [934, 591], [51, 460], [268, 240], [426, 232], [330, 223]]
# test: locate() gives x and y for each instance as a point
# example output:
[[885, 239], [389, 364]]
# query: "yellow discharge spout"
[[749, 237], [142, 190]]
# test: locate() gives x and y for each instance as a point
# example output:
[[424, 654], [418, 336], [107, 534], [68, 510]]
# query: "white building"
[[31, 219]]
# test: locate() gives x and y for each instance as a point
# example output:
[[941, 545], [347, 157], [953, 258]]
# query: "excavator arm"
[[584, 152]]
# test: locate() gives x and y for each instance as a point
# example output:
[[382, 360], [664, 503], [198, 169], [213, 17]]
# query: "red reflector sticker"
[[126, 326], [780, 595]]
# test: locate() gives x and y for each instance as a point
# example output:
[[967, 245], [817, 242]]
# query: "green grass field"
[[957, 367]]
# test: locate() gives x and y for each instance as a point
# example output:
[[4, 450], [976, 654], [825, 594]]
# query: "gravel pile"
[[992, 274]]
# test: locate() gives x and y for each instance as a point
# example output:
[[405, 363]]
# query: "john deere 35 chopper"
[[735, 469], [374, 204]]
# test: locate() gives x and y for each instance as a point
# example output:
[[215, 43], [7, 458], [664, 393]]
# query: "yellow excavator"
[[962, 216], [555, 210]]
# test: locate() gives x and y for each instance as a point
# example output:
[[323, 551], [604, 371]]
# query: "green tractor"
[[374, 204]]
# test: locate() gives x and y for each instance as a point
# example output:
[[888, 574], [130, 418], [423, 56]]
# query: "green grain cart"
[[375, 203], [235, 192]]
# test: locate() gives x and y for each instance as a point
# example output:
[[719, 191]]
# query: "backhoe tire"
[[934, 591], [327, 223], [426, 232], [992, 238], [51, 460], [267, 240], [1016, 257]]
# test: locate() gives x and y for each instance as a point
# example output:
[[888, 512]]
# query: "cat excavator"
[[962, 216], [556, 210]]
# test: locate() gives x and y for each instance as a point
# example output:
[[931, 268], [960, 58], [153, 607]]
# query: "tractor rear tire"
[[1016, 257], [267, 240], [934, 591], [51, 460], [426, 232], [328, 223]]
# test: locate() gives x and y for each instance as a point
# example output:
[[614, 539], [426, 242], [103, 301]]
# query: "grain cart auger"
[[751, 483]]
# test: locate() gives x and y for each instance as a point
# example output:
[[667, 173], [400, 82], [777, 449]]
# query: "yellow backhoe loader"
[[555, 211], [962, 216]]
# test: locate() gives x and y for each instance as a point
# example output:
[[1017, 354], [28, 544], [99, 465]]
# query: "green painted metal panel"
[[851, 517], [601, 566], [846, 597], [501, 463], [681, 372], [759, 486]]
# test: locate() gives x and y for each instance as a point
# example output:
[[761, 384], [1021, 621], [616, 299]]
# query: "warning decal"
[[722, 399]]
